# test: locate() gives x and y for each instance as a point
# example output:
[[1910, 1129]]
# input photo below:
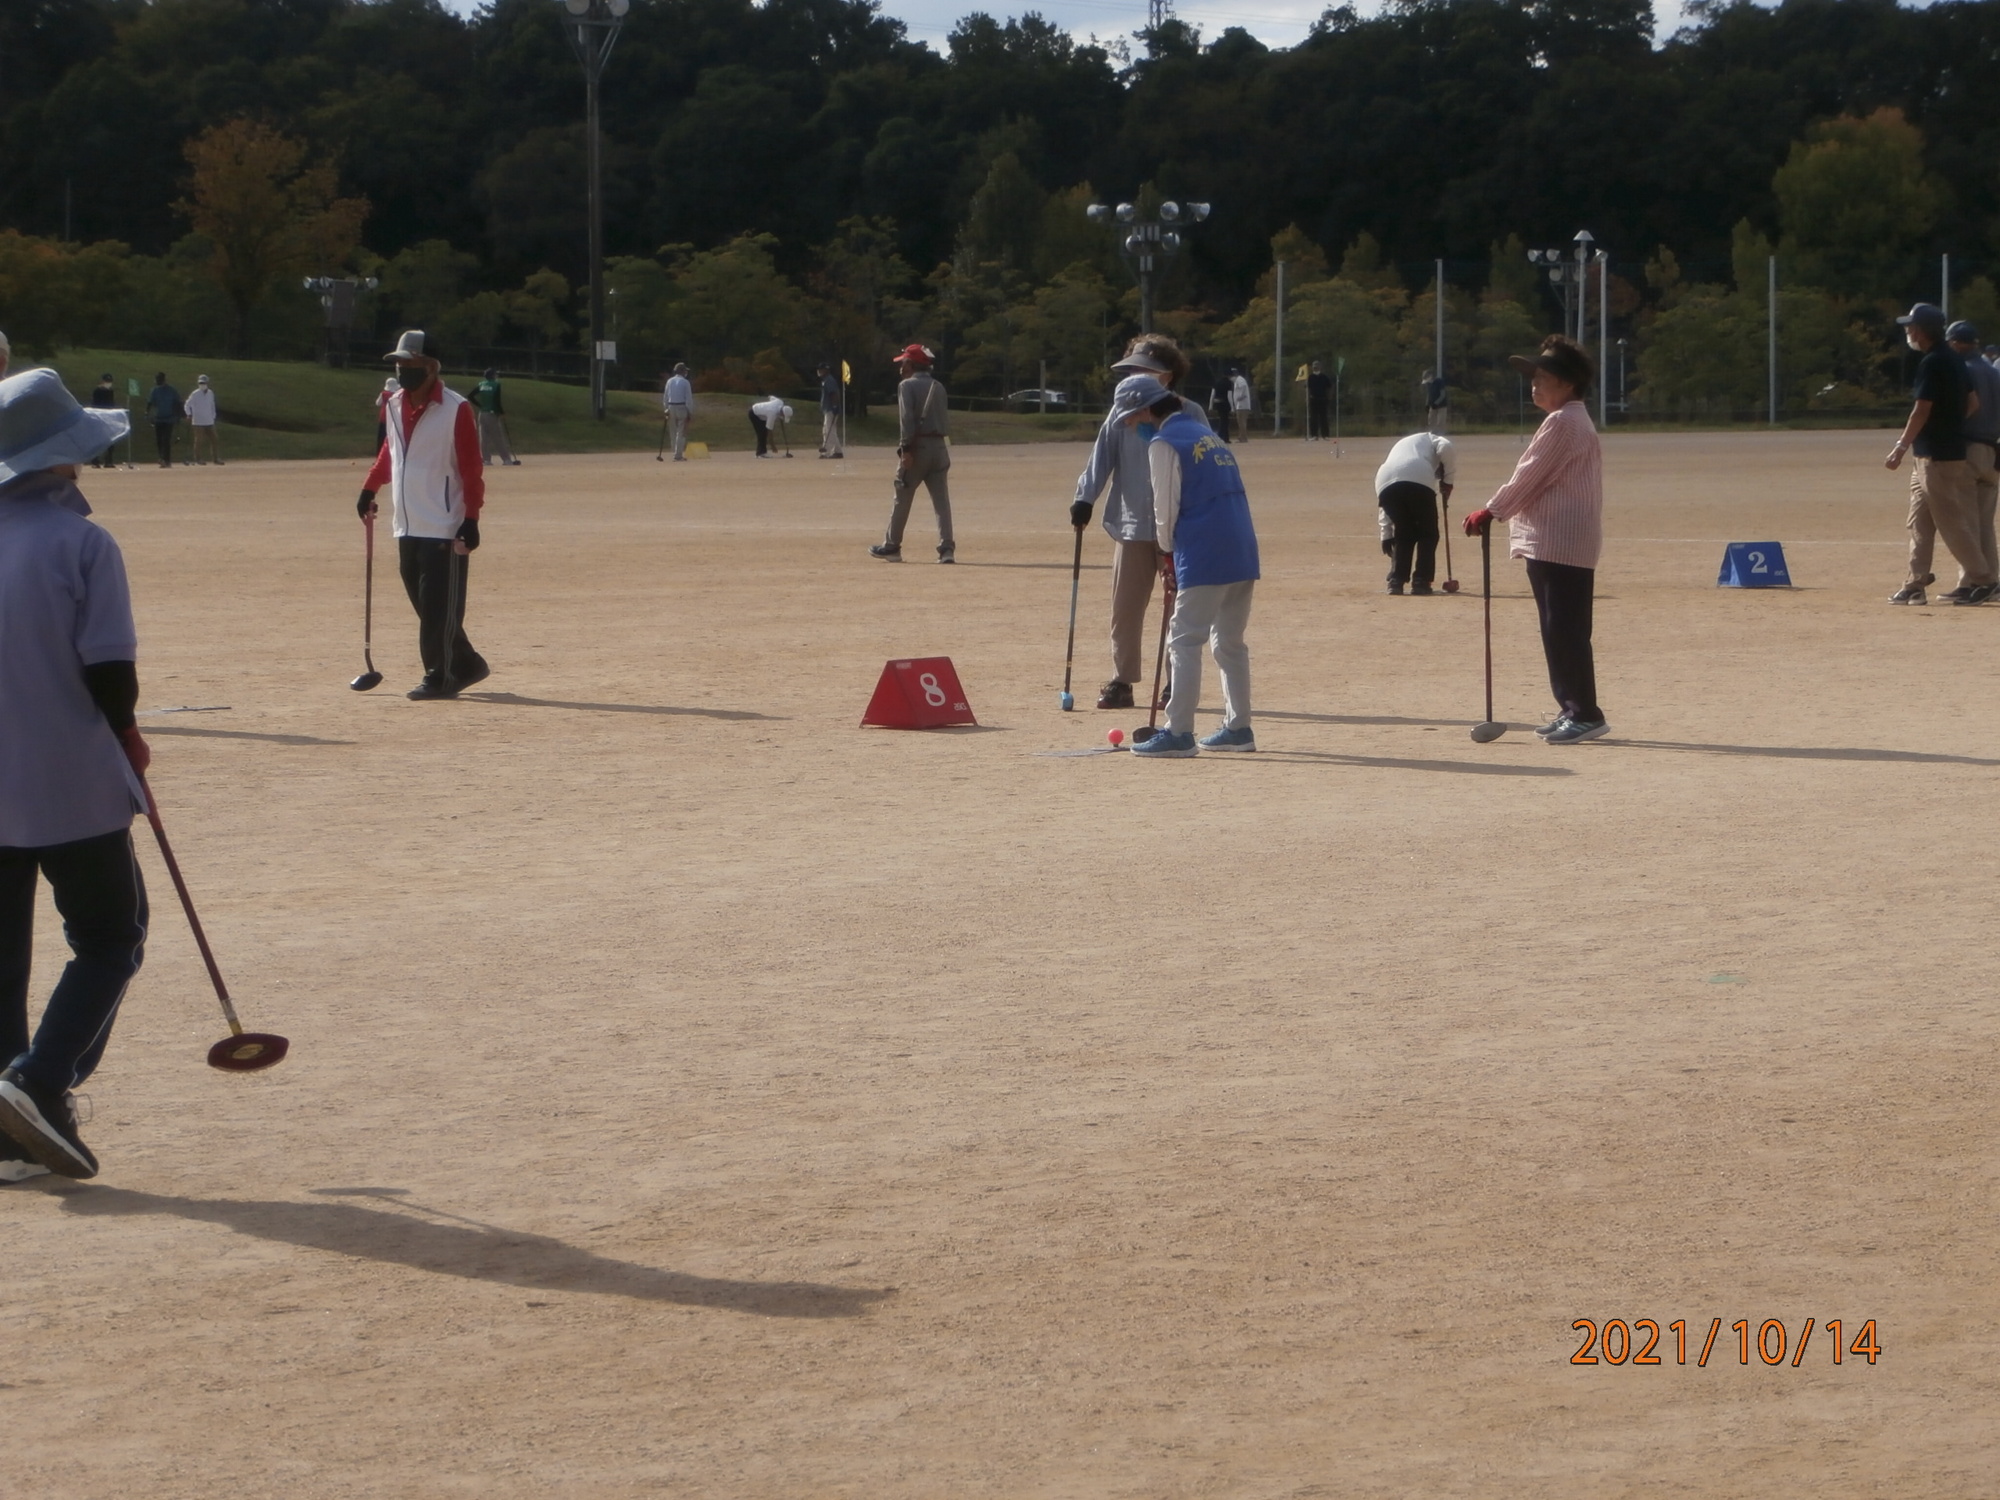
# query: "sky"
[[1276, 23]]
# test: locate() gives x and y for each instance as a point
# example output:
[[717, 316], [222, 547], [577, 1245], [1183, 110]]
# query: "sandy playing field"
[[694, 1094]]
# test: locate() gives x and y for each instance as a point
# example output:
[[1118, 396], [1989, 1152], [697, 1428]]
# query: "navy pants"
[[1563, 598], [1413, 511], [427, 566], [102, 899]]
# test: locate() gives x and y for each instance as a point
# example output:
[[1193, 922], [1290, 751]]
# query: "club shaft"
[[1486, 589], [1160, 656], [368, 595], [1075, 579], [1445, 507], [187, 905]]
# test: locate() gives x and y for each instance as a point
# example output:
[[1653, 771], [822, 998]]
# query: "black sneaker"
[[1909, 593], [1552, 726], [430, 690], [16, 1165], [44, 1125], [1115, 694], [477, 675], [947, 554], [1420, 589], [887, 553], [1971, 593], [1395, 586], [1960, 595]]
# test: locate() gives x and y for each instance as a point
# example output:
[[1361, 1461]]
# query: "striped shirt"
[[1554, 504]]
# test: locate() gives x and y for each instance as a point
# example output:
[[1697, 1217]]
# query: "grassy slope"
[[273, 410]]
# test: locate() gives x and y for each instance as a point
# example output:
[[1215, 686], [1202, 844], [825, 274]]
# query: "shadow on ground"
[[1811, 752], [515, 700], [1399, 763], [237, 734], [480, 1252]]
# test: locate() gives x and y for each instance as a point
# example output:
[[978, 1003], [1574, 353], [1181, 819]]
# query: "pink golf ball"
[[1117, 737]]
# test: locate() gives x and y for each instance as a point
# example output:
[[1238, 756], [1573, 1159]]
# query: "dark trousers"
[[1563, 598], [428, 566], [102, 899], [163, 435], [1317, 425], [1413, 511], [763, 434]]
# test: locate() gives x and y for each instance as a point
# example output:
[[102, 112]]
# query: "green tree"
[[426, 281], [1855, 204], [1510, 276], [52, 293]]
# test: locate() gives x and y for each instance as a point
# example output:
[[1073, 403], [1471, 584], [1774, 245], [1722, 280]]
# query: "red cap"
[[916, 354]]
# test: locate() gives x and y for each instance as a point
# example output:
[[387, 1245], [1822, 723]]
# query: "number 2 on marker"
[[1757, 563]]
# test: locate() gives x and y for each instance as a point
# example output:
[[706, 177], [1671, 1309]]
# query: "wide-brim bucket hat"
[[42, 426]]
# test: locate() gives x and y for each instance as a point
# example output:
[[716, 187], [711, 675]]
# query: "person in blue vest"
[[1208, 557]]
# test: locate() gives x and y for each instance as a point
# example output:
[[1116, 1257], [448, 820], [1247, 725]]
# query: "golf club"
[[1152, 725], [371, 677], [1067, 701], [661, 456], [785, 426], [1486, 730], [451, 556], [241, 1051], [1450, 583]]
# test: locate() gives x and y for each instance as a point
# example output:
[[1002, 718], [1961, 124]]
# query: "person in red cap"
[[922, 455]]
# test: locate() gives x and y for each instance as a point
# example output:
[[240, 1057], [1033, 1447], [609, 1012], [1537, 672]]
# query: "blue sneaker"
[[1230, 739], [1166, 745]]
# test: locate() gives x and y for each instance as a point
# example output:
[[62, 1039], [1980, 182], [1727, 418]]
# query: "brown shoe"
[[1115, 694]]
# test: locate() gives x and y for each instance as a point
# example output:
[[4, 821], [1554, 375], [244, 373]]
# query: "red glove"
[[136, 749], [1477, 522]]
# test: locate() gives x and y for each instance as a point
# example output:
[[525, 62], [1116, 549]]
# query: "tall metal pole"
[[1771, 336], [1278, 367], [592, 72], [1603, 325], [1944, 279], [1146, 292]]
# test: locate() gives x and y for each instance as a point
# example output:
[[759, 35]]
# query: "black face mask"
[[412, 377]]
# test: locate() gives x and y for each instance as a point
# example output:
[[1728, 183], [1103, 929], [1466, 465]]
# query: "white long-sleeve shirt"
[[679, 392], [1163, 463], [201, 406], [1421, 458]]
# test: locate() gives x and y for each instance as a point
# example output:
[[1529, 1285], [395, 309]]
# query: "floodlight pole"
[[591, 27], [1148, 243], [1771, 337], [1278, 369], [1603, 326], [1437, 337]]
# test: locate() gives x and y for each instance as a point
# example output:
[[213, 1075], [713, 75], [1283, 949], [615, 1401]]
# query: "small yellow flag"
[[1304, 370], [846, 375]]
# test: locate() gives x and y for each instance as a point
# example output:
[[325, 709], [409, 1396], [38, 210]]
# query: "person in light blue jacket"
[[1117, 471]]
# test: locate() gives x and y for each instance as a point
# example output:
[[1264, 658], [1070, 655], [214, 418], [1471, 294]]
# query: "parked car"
[[1034, 398]]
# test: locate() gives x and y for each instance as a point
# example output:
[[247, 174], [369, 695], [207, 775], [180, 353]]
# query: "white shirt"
[[772, 410], [201, 406], [679, 392], [1239, 394], [1418, 459]]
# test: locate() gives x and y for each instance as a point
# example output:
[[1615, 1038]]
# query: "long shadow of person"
[[481, 1252]]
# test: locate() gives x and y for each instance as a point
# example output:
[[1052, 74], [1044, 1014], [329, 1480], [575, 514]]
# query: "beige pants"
[[929, 461], [1134, 566], [829, 434], [1943, 503], [194, 445], [1979, 458]]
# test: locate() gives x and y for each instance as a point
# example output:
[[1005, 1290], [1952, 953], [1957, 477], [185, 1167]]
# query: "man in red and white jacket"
[[430, 460]]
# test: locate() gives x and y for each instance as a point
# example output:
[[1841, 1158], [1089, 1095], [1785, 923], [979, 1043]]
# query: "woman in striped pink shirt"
[[1554, 510]]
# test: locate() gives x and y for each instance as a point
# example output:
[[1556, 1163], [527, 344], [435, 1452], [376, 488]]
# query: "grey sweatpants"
[[928, 463], [493, 438], [1216, 613]]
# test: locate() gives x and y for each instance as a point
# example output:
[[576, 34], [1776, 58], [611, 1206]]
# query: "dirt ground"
[[694, 1094]]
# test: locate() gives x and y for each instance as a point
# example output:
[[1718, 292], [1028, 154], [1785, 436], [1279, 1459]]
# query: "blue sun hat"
[[42, 426], [1134, 394]]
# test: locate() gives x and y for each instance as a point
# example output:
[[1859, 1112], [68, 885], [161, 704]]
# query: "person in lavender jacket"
[[1554, 510]]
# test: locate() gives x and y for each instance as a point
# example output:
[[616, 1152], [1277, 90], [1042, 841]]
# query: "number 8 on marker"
[[933, 694]]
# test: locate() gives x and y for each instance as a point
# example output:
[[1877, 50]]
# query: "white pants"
[[1216, 613]]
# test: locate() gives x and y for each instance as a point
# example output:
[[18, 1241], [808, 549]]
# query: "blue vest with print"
[[1214, 541]]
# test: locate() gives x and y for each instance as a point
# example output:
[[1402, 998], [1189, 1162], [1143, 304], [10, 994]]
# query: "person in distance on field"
[[1208, 552], [1942, 498], [201, 419], [765, 416], [437, 481], [1418, 469], [492, 405], [1118, 471], [1241, 401], [830, 397], [70, 761], [104, 397], [1554, 510], [163, 405], [677, 401], [1982, 439], [1319, 395], [923, 456]]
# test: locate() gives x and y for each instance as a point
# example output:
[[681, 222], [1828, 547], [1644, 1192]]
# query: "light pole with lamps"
[[1564, 274], [591, 27], [1148, 243], [338, 294]]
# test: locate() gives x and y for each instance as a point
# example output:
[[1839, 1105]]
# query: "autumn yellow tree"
[[267, 213]]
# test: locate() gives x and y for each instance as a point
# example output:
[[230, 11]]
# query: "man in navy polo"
[[70, 761]]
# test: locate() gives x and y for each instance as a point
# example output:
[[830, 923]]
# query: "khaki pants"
[[1979, 458], [194, 445], [1943, 503], [493, 439], [925, 464], [829, 434], [677, 419], [1134, 566]]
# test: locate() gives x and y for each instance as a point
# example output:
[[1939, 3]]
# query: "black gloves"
[[468, 533], [1079, 513], [365, 506]]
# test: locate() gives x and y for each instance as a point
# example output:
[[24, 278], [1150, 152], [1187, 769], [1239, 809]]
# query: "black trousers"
[[1317, 425], [1413, 511], [1563, 599], [102, 899], [763, 434], [428, 566], [163, 435]]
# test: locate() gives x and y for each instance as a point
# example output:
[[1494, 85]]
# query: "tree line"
[[796, 179]]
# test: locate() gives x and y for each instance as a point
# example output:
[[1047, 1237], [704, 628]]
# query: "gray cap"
[[1962, 332], [1134, 394], [409, 348], [1926, 316], [1141, 361]]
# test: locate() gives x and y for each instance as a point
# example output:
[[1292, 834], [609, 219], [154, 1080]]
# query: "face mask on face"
[[1146, 431], [412, 377]]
